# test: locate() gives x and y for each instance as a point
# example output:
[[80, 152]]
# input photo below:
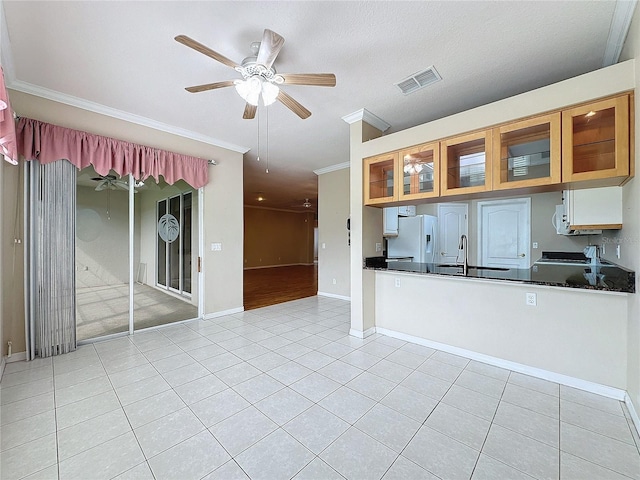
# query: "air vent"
[[419, 80]]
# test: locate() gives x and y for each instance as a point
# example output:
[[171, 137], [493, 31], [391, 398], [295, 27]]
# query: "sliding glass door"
[[134, 248], [174, 243]]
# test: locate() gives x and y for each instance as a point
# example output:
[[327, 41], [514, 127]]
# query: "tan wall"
[[629, 237], [333, 237], [579, 333], [276, 237], [222, 206], [12, 259]]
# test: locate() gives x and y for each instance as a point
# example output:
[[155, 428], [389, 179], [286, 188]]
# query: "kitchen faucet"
[[465, 251]]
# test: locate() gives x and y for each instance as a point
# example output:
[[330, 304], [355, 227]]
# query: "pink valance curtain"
[[8, 147], [48, 143]]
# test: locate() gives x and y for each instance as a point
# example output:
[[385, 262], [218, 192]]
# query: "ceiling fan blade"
[[209, 86], [293, 105], [269, 48], [121, 184], [249, 111], [315, 79], [102, 185], [191, 43]]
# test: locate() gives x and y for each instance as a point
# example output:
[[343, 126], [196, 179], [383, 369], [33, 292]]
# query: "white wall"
[[333, 237], [629, 237]]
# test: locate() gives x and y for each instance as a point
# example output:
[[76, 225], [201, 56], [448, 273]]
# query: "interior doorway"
[[134, 271], [504, 232], [452, 224]]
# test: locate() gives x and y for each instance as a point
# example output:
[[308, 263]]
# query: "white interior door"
[[452, 223], [504, 230]]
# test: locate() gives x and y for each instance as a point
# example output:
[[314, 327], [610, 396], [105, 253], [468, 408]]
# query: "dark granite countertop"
[[610, 277]]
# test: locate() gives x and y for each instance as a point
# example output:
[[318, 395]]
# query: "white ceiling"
[[122, 55]]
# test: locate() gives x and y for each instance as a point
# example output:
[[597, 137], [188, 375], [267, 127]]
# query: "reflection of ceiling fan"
[[307, 203], [259, 77], [110, 182]]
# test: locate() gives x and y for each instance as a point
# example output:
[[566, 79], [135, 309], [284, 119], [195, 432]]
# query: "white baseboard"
[[632, 412], [604, 390], [360, 334], [223, 313], [333, 295]]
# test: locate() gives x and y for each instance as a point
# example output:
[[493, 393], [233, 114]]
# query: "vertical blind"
[[51, 258]]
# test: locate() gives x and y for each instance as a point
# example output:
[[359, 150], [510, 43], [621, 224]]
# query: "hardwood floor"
[[268, 286]]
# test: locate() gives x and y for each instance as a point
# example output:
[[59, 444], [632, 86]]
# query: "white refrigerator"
[[416, 239]]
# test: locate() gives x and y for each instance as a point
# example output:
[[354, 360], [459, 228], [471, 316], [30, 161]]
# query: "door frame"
[[481, 204]]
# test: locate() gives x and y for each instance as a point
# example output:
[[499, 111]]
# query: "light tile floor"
[[283, 392]]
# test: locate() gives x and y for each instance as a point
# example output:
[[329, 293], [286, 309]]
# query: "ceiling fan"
[[307, 203], [259, 77]]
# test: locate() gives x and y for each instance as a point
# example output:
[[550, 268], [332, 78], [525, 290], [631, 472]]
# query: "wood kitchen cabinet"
[[466, 163], [527, 153], [380, 179], [595, 141], [419, 172]]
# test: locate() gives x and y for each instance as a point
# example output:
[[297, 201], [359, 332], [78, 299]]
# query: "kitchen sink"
[[471, 267]]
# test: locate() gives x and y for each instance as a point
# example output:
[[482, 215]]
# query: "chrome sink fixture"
[[464, 246]]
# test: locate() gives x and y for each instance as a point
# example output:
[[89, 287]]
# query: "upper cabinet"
[[527, 153], [466, 163], [590, 145], [595, 141], [419, 172], [380, 179]]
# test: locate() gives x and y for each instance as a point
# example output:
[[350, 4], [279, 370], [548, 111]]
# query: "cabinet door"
[[595, 141], [527, 153], [466, 163], [419, 171], [379, 179], [390, 222]]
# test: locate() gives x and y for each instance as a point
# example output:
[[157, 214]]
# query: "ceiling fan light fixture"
[[269, 93], [251, 88]]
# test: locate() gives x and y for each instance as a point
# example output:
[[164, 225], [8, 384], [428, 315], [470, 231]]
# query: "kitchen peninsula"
[[571, 325]]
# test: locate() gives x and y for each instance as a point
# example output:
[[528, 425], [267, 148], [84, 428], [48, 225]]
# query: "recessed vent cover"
[[419, 80]]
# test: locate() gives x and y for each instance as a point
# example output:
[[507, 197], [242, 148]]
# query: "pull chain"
[[258, 119], [267, 142]]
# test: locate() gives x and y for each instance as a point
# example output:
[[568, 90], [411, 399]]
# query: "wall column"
[[366, 224]]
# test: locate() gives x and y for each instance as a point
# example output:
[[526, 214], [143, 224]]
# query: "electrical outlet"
[[398, 282], [216, 247], [535, 245], [324, 245], [378, 247], [334, 281], [532, 299]]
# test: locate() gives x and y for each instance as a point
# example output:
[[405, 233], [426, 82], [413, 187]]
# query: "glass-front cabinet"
[[419, 169], [527, 153], [380, 179], [595, 140], [466, 163]]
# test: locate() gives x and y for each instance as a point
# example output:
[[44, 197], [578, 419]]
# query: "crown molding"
[[49, 94], [365, 115], [332, 168], [620, 23]]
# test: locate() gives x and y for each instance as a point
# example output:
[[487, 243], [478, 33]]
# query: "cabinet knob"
[[522, 255], [443, 253]]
